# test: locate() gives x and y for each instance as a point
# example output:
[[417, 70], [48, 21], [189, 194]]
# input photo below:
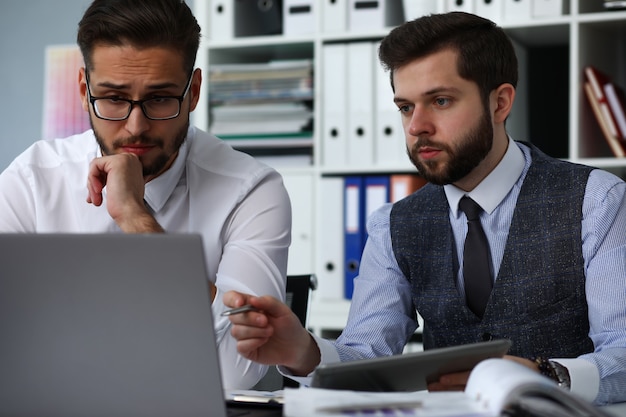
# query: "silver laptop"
[[106, 325]]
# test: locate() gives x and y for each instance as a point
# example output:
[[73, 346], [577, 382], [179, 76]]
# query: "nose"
[[137, 122], [419, 123]]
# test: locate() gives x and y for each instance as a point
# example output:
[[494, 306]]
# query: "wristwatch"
[[553, 370], [560, 375]]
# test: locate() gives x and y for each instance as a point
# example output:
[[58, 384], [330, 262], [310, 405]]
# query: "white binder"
[[334, 105], [368, 15], [517, 10], [334, 16], [360, 104], [417, 8], [460, 6], [300, 189], [549, 8], [389, 143], [221, 20], [298, 17], [330, 241], [490, 9]]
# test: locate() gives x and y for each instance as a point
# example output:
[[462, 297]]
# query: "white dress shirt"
[[381, 312], [238, 205]]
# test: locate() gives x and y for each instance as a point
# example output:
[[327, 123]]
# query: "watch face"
[[562, 374]]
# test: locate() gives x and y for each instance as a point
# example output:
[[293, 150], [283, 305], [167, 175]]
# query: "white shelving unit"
[[553, 52]]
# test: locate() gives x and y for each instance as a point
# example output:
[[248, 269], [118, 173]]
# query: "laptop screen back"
[[110, 325]]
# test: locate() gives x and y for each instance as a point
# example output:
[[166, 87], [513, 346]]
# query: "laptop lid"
[[106, 325]]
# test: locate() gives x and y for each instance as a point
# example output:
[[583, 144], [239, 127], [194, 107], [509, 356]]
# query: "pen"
[[239, 310]]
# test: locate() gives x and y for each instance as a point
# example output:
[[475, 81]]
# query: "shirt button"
[[487, 337]]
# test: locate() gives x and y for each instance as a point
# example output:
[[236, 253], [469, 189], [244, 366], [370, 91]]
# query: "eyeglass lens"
[[157, 108]]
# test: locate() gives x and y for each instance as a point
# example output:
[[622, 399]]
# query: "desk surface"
[[618, 410]]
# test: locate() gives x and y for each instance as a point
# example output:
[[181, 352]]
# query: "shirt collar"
[[491, 190], [158, 190]]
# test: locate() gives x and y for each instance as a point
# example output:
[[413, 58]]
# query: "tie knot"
[[470, 208]]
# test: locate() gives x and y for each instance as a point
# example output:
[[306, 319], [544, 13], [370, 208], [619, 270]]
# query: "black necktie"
[[476, 259]]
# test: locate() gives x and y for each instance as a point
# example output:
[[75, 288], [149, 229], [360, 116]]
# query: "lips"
[[428, 152], [137, 149]]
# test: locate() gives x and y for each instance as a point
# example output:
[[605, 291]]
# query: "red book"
[[598, 82], [600, 110]]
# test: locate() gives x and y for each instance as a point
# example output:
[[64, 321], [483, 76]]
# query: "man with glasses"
[[143, 169]]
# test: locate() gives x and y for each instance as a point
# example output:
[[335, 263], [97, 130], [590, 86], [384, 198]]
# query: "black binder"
[[258, 17]]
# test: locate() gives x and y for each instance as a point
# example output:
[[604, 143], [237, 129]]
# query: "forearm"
[[605, 369], [327, 354], [142, 222], [307, 355]]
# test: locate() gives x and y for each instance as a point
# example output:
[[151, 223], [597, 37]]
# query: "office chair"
[[296, 297]]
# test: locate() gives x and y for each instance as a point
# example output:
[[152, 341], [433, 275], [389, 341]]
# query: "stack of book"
[[607, 102], [270, 100]]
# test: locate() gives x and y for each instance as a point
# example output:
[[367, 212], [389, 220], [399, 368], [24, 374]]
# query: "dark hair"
[[142, 24], [486, 54]]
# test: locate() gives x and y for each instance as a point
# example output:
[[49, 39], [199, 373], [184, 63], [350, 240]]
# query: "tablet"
[[406, 372]]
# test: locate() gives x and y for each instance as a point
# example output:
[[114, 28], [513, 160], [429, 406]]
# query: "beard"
[[464, 156], [160, 161]]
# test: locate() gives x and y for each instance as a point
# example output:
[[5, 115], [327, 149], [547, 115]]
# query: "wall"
[[26, 27]]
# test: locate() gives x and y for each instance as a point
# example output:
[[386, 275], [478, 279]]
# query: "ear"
[[82, 89], [502, 102], [196, 82]]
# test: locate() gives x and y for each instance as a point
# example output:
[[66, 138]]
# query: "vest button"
[[487, 337]]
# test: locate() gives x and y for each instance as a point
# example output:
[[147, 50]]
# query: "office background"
[[26, 28]]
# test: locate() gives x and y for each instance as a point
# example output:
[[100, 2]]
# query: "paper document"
[[318, 402]]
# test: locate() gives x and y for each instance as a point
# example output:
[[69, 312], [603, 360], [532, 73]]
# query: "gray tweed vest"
[[538, 300]]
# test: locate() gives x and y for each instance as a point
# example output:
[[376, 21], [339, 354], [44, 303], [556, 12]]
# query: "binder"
[[403, 185], [368, 15], [298, 17], [360, 104], [300, 189], [221, 20], [258, 18], [549, 8], [517, 10], [417, 8], [334, 16], [364, 195], [330, 243], [490, 9], [353, 205], [376, 195], [334, 105], [460, 6], [389, 142]]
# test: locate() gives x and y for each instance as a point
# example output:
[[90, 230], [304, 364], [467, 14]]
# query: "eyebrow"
[[431, 92], [114, 86]]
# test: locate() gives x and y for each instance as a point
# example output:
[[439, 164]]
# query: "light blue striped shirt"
[[382, 314]]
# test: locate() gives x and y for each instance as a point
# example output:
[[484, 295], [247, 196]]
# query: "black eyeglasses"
[[154, 108]]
